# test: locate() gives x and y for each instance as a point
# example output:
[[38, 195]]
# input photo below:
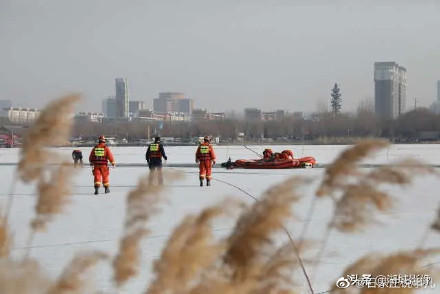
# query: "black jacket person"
[[154, 155]]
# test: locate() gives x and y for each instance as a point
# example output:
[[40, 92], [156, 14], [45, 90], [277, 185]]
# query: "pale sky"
[[224, 54]]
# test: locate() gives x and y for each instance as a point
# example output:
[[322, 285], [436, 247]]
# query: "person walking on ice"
[[205, 157], [154, 155], [98, 158]]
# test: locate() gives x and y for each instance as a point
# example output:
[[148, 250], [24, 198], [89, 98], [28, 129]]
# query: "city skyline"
[[225, 56]]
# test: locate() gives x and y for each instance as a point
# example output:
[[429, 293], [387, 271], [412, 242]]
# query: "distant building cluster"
[[89, 117], [169, 106], [390, 89], [173, 102], [389, 102], [18, 115], [204, 115], [255, 114], [150, 115]]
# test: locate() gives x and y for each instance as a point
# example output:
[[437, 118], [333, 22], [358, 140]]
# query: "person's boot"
[[96, 190], [107, 190], [208, 182], [201, 183]]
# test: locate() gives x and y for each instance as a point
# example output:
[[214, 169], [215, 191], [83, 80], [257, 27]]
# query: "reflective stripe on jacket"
[[100, 154], [205, 152], [155, 151]]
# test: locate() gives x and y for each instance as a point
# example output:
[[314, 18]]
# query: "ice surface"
[[95, 222]]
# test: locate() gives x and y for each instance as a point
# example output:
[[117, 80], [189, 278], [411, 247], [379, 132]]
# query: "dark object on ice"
[[228, 164]]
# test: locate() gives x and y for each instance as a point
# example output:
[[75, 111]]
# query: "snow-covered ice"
[[95, 222]]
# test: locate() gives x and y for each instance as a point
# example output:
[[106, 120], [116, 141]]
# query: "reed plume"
[[141, 206], [436, 225], [345, 165], [73, 280], [5, 240], [189, 251], [400, 173], [274, 273], [22, 277], [402, 263], [353, 210], [53, 194], [361, 196], [126, 263], [142, 203], [254, 228], [252, 262], [52, 128]]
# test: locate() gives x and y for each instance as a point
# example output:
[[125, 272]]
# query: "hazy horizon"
[[225, 55]]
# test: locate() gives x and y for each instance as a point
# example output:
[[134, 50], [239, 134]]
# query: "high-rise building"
[[122, 98], [252, 114], [135, 106], [438, 91], [109, 107], [390, 89], [173, 102]]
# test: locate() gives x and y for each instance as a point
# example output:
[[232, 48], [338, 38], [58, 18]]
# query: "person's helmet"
[[206, 139], [288, 152], [268, 151], [101, 139], [157, 139]]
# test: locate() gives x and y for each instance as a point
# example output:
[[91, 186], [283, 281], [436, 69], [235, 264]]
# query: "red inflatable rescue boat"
[[272, 160]]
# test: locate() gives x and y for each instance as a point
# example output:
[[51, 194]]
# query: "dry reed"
[[142, 203], [73, 280], [52, 194], [189, 251], [126, 262], [22, 277], [52, 128], [400, 173], [393, 265], [345, 165], [193, 263], [141, 206], [253, 229], [5, 240], [436, 225], [355, 209], [361, 196]]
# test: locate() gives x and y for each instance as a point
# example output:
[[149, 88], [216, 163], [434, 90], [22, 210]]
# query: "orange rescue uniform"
[[98, 157], [204, 156]]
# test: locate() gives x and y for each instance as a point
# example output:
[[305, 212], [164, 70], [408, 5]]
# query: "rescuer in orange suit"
[[98, 158], [286, 154], [267, 154], [205, 156]]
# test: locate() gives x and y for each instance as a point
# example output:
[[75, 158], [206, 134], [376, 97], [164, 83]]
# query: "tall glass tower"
[[122, 98], [390, 89]]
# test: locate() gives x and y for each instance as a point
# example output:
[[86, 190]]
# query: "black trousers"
[[155, 167]]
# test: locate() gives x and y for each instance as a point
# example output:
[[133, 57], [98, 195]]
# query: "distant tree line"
[[320, 126]]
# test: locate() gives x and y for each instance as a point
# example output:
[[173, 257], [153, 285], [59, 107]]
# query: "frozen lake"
[[95, 222]]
